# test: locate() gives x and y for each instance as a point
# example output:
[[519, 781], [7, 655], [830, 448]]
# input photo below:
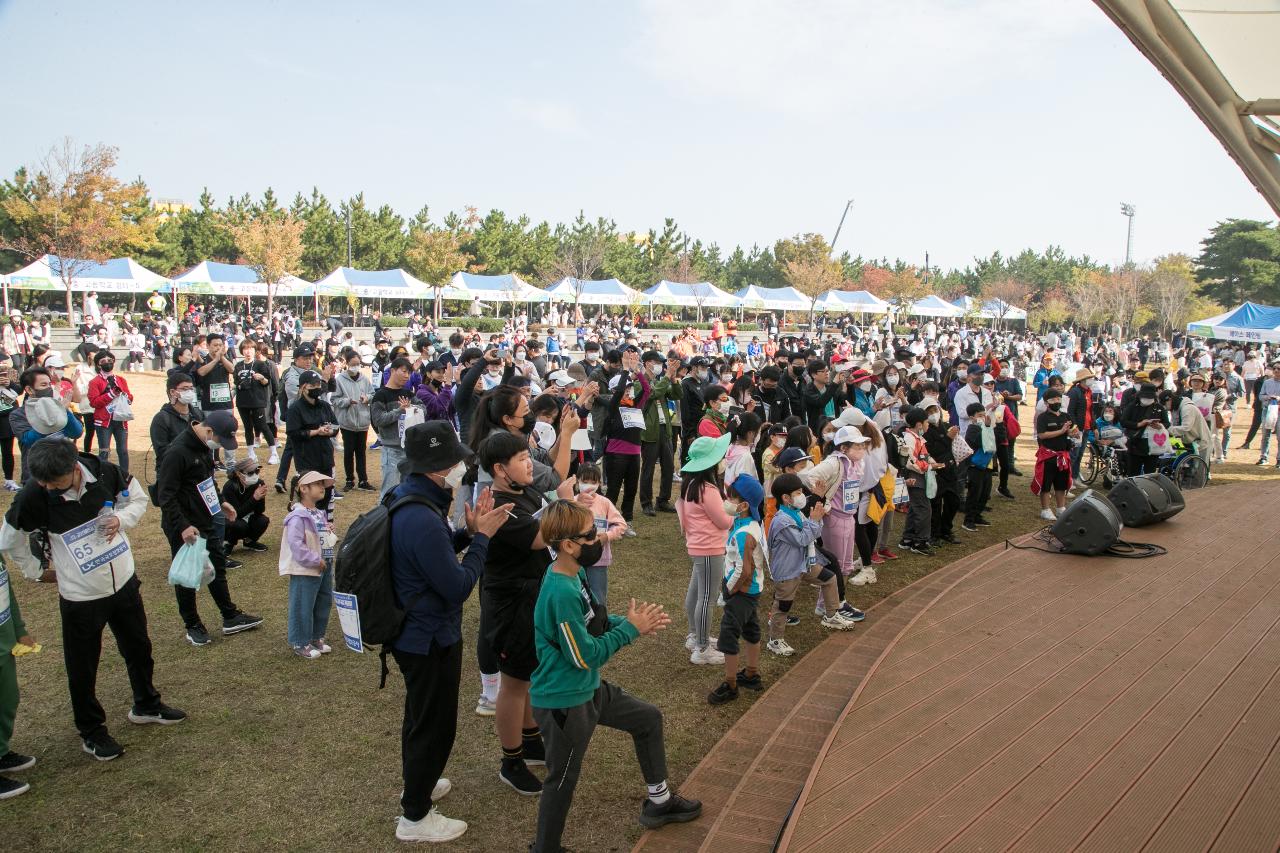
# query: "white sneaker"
[[836, 622], [869, 572], [274, 460], [442, 789], [253, 454], [780, 647], [690, 642], [819, 609], [486, 707], [707, 656], [10, 486], [1047, 514], [434, 827]]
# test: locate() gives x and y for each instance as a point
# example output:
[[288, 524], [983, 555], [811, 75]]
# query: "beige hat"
[[1083, 374], [315, 477], [851, 416], [879, 365], [914, 369], [46, 415]]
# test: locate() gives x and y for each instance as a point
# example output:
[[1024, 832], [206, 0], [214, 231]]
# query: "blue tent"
[[1247, 322], [608, 291], [493, 288], [234, 280]]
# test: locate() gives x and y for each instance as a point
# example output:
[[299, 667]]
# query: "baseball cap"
[[224, 427], [790, 456], [849, 435], [310, 377], [304, 351]]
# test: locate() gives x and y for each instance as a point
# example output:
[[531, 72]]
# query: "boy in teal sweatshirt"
[[12, 632], [574, 637]]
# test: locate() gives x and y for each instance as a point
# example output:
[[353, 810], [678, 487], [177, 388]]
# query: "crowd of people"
[[786, 460]]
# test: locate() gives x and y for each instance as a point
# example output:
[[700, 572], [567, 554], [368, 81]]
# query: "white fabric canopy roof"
[[772, 298], [933, 306], [235, 280], [1221, 56], [991, 309], [704, 294], [493, 288], [853, 301], [118, 275], [372, 284], [609, 291], [1248, 322]]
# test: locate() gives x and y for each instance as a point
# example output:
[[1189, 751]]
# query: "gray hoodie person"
[[346, 398]]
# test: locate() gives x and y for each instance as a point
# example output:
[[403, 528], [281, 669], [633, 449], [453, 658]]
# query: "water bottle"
[[108, 511]]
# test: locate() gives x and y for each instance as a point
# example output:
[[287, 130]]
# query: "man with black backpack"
[[431, 590]]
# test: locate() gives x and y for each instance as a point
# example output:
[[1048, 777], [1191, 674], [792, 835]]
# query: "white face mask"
[[655, 367], [731, 507], [454, 478], [1147, 401], [725, 407], [1088, 383], [252, 479], [891, 379], [212, 444], [701, 374], [588, 488], [726, 377], [520, 356], [188, 397], [864, 387], [797, 500], [779, 441], [353, 372], [456, 352], [495, 372], [592, 357], [934, 417]]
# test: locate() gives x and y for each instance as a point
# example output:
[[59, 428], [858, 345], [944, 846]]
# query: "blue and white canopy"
[[372, 284], [853, 301], [992, 309], [609, 291], [493, 288], [703, 294], [772, 298], [222, 279], [118, 275], [1247, 322], [934, 305]]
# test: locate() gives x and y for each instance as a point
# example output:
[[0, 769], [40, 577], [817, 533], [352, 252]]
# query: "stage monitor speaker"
[[1146, 499], [1090, 525]]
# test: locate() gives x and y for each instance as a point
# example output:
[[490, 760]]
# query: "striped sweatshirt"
[[569, 658]]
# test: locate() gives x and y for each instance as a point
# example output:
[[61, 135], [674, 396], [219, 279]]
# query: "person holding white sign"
[[96, 582], [190, 507]]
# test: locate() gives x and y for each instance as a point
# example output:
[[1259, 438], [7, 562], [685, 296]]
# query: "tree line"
[[71, 204]]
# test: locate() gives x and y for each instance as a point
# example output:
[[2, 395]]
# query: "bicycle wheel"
[[1191, 472], [1091, 465]]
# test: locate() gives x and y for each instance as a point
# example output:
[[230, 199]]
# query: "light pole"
[[1128, 210], [847, 205]]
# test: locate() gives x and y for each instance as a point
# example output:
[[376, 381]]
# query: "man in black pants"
[[311, 426], [95, 590], [656, 445], [190, 507], [433, 588]]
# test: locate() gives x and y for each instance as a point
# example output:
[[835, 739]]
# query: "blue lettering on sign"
[[87, 548]]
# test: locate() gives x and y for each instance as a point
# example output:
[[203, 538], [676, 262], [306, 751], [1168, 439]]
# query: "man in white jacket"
[[97, 587]]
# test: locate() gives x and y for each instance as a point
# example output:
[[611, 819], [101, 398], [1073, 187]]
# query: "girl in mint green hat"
[[705, 520]]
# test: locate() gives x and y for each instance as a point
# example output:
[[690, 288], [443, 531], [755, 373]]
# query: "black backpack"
[[362, 567]]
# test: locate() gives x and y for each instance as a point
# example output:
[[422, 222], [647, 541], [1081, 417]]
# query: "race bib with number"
[[4, 595], [88, 550], [849, 495], [209, 494], [220, 392], [602, 525], [632, 418]]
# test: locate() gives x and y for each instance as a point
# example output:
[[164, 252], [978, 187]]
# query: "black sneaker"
[[1005, 493], [754, 682], [12, 788], [648, 510], [923, 549], [366, 486], [851, 613], [675, 810], [12, 762], [103, 747], [279, 488], [534, 752], [232, 564], [969, 526], [1014, 472], [793, 620], [722, 694], [163, 715], [667, 506], [951, 539], [982, 522], [240, 622], [198, 635], [257, 547], [516, 774], [349, 486]]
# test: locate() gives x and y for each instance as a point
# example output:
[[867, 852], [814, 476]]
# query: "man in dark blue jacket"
[[432, 588]]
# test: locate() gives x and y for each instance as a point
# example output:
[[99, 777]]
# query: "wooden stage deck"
[[1017, 700]]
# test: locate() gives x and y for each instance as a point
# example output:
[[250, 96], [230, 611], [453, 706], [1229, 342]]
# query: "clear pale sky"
[[958, 127]]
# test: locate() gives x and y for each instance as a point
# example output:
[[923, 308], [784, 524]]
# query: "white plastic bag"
[[120, 408], [191, 566]]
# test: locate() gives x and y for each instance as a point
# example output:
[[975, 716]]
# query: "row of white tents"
[[124, 275]]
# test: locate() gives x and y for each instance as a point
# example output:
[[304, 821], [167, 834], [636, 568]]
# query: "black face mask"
[[1054, 406], [106, 366], [527, 426], [797, 371], [589, 553], [311, 394], [43, 392]]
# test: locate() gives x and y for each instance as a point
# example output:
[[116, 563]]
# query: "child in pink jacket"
[[610, 527], [705, 521]]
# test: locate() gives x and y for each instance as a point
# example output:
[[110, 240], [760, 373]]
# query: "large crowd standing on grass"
[[788, 459]]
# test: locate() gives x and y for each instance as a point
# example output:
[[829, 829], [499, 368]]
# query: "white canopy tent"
[[992, 309], [493, 288], [758, 298], [373, 284], [933, 305], [702, 294], [853, 302], [608, 291], [219, 279], [118, 275]]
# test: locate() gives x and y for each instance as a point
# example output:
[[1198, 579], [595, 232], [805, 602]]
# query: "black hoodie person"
[[190, 508], [311, 426]]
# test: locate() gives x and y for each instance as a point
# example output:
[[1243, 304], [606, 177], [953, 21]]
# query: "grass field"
[[285, 754]]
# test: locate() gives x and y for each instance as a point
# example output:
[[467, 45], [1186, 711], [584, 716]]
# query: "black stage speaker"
[[1146, 499], [1090, 525]]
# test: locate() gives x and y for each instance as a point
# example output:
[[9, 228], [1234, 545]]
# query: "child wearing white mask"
[[610, 527]]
